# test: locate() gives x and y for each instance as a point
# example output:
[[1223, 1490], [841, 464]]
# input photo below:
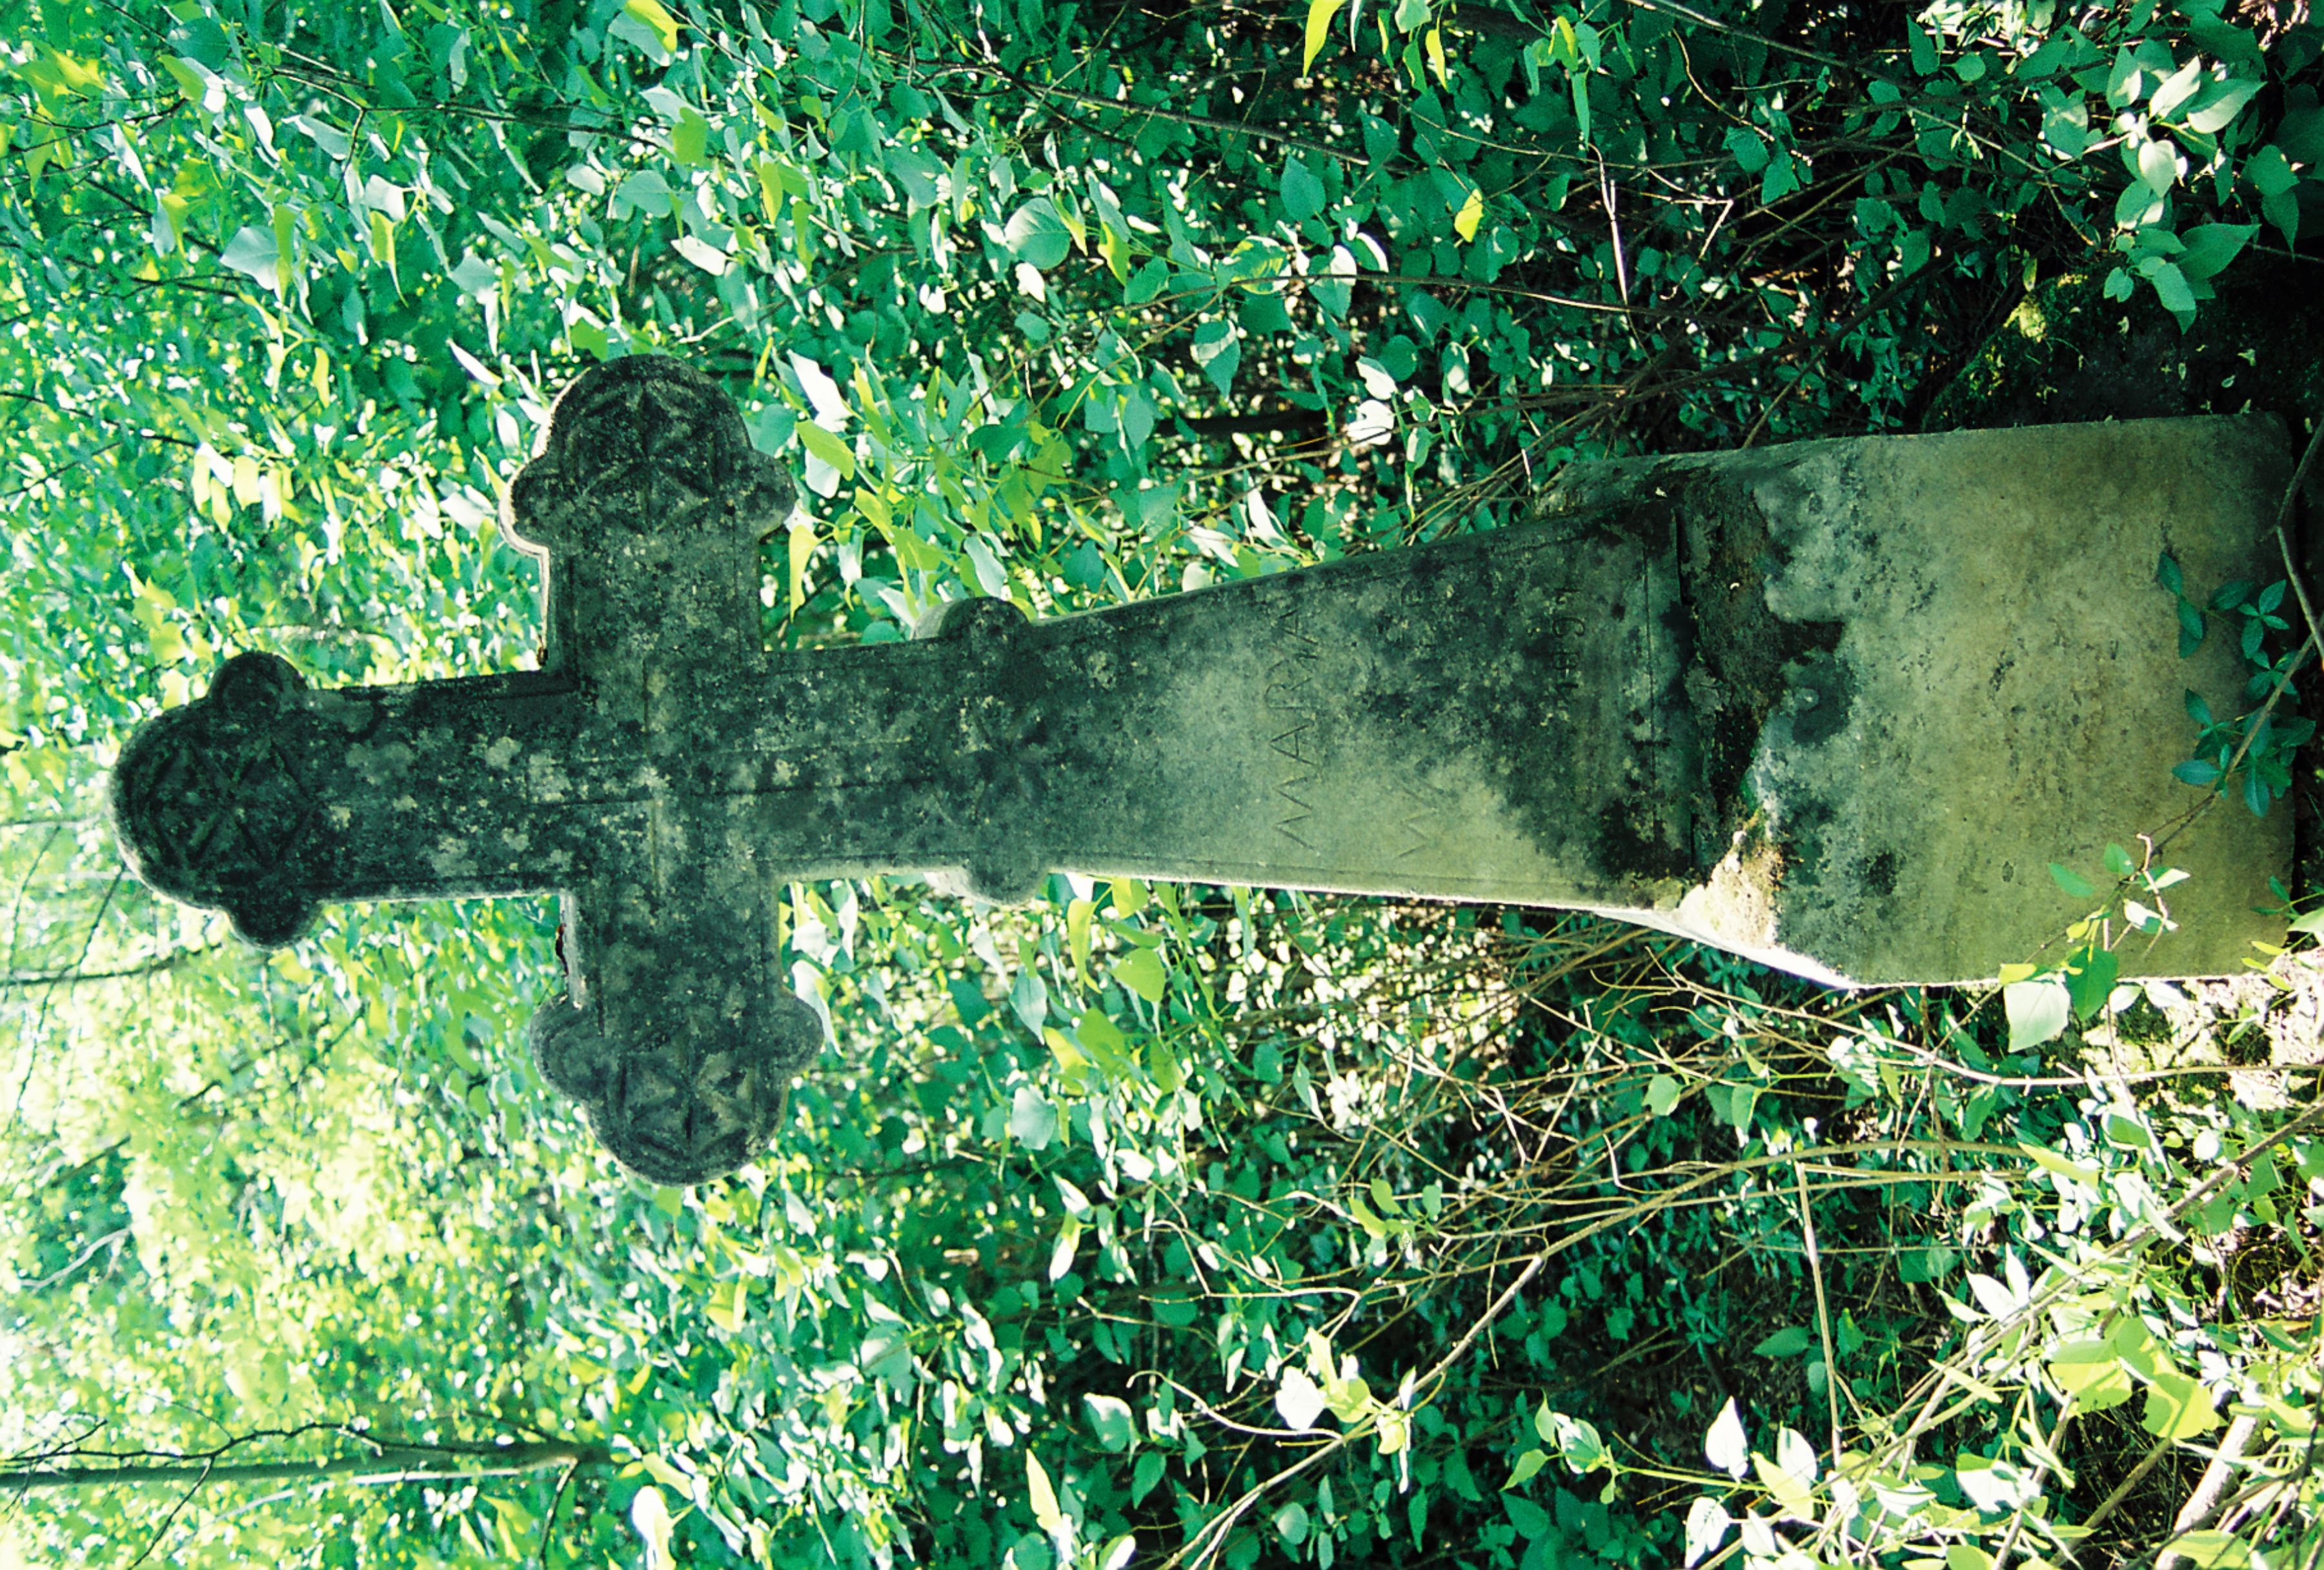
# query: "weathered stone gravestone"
[[1832, 705]]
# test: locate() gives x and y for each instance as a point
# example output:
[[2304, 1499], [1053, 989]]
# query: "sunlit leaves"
[[2178, 1407], [2038, 1012], [1032, 1118], [1110, 1420], [1020, 344], [1319, 29], [652, 14], [2092, 1373], [1725, 1445], [1298, 1400], [1042, 1497], [1471, 213], [1218, 350], [649, 1514]]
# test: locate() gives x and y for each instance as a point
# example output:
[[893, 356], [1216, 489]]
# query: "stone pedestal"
[[1922, 667]]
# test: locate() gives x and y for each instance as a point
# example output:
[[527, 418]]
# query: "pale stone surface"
[[1994, 685], [1832, 705]]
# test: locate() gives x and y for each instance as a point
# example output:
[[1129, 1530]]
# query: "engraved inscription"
[[1420, 821], [1565, 628], [1289, 705]]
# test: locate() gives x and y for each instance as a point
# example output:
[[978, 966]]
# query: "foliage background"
[[1192, 1225]]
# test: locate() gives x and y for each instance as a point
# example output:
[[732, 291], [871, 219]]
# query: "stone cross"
[[1832, 705]]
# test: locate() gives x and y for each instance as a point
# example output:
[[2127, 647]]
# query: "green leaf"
[[2211, 246], [2089, 982], [2270, 171], [1032, 1118], [1141, 971], [1725, 1445], [727, 1305], [2176, 89], [2051, 1161], [2170, 287], [689, 139], [2177, 1407], [2092, 1372], [2127, 1134], [1349, 1399], [1747, 148], [2210, 1548], [1924, 49], [2156, 164], [650, 1515], [1319, 29], [1789, 1342], [2074, 886], [1218, 351], [1471, 213], [191, 81], [1332, 291], [1110, 1419], [1042, 1497], [251, 252], [1303, 193], [1150, 1471], [1148, 282], [1036, 235], [651, 14], [822, 444], [1780, 180], [1662, 1095], [1298, 1400], [1096, 1030], [1787, 1490], [2167, 574], [1579, 1445], [2220, 105], [2038, 1012], [1061, 1256], [1531, 1521], [1707, 1524], [1531, 1462], [1291, 1523]]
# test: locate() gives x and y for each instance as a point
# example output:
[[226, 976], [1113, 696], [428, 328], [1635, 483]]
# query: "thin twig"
[[1823, 1313]]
